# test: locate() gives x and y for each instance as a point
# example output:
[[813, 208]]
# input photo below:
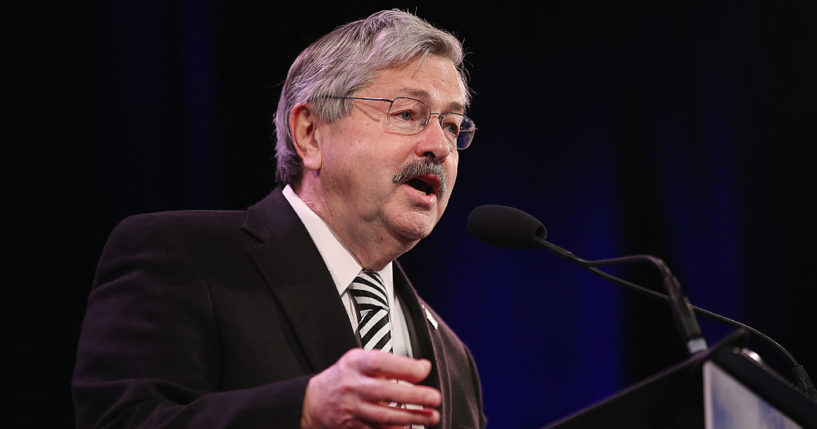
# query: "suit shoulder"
[[190, 226], [182, 220]]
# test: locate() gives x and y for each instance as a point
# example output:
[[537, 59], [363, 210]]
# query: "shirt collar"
[[342, 265]]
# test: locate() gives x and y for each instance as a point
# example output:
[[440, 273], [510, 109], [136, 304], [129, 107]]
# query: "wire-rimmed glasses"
[[409, 116]]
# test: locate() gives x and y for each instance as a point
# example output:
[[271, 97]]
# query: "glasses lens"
[[408, 116], [466, 135]]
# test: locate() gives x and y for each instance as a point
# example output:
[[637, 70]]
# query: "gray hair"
[[346, 60]]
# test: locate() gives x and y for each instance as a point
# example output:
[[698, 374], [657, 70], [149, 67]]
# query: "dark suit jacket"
[[214, 319]]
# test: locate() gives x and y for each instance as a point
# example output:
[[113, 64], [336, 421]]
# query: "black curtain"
[[681, 129]]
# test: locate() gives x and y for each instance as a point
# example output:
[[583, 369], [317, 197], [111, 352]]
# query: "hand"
[[356, 390]]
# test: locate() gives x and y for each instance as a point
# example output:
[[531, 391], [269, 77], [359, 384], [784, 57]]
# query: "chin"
[[415, 231], [409, 224]]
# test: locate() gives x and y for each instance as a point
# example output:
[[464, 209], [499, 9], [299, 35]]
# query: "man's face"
[[360, 157]]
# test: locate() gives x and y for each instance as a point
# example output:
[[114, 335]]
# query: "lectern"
[[718, 388]]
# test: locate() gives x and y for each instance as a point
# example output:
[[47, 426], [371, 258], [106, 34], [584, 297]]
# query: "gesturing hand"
[[356, 390]]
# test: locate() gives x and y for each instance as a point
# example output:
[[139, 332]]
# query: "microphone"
[[513, 228], [505, 227]]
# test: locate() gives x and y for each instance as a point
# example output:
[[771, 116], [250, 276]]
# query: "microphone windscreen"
[[505, 227]]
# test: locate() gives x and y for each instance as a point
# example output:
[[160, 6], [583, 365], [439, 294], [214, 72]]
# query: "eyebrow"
[[424, 95]]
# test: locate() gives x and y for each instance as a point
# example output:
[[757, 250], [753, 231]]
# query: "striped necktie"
[[370, 295]]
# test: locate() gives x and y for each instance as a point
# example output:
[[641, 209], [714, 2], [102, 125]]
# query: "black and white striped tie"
[[370, 295]]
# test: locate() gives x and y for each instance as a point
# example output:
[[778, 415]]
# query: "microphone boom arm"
[[800, 375], [682, 310], [512, 228]]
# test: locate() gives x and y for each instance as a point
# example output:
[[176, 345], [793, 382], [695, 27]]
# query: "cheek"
[[365, 174], [452, 172]]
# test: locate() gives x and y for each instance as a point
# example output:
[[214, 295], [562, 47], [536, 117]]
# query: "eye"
[[451, 124], [405, 115]]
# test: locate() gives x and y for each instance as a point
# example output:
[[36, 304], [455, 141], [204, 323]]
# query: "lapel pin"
[[430, 317]]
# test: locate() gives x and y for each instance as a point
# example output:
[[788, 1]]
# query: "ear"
[[303, 126]]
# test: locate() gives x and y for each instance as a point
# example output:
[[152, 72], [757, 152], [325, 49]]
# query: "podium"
[[719, 388]]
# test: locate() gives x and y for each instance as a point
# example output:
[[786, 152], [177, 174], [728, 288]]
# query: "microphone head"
[[506, 227]]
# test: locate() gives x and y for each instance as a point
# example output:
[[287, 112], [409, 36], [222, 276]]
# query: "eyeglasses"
[[409, 116]]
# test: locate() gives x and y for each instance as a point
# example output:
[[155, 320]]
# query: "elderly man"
[[279, 316]]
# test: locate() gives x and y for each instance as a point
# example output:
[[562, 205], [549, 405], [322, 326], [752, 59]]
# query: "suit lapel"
[[427, 337], [293, 268]]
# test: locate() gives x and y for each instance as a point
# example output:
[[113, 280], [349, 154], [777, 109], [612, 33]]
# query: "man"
[[279, 316]]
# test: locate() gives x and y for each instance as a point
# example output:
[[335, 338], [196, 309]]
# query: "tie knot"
[[369, 291]]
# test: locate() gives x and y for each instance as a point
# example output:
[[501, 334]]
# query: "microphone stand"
[[681, 308], [512, 228], [682, 311]]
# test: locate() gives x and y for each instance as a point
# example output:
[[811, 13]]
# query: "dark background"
[[685, 129]]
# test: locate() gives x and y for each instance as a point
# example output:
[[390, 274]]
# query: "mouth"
[[426, 183], [425, 176]]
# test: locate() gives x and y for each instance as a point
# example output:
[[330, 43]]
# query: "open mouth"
[[426, 184], [425, 176]]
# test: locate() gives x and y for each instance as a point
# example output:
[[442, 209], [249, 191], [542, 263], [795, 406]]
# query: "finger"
[[379, 390], [388, 365], [378, 414]]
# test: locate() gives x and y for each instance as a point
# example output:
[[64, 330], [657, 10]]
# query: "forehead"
[[433, 79]]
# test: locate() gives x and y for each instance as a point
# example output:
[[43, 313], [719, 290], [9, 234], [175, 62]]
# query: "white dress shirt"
[[343, 267]]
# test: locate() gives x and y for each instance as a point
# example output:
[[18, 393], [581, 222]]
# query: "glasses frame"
[[425, 123]]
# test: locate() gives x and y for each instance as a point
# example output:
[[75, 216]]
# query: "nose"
[[433, 142]]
